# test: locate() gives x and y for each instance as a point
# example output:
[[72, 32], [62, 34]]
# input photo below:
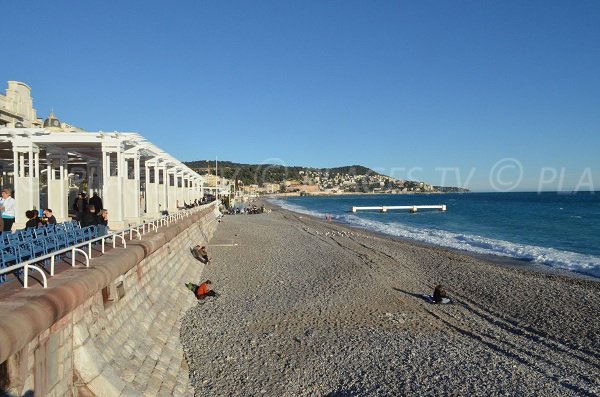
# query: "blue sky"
[[497, 95]]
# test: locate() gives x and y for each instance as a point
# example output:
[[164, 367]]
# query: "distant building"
[[16, 107], [16, 111]]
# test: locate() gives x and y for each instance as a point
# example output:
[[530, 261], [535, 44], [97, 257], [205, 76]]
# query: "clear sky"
[[494, 95]]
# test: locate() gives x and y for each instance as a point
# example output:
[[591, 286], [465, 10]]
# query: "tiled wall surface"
[[122, 338]]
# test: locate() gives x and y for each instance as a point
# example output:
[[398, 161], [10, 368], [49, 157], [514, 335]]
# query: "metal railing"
[[33, 264]]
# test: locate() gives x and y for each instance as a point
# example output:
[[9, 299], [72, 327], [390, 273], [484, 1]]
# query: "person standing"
[[80, 205], [96, 201], [7, 205]]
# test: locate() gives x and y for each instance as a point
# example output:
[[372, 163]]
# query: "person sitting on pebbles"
[[201, 291], [201, 254], [440, 295]]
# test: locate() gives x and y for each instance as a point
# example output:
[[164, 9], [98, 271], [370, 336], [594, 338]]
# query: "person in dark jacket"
[[33, 220], [50, 218], [89, 217], [96, 201]]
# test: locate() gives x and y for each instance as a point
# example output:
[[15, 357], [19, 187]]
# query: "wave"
[[581, 263]]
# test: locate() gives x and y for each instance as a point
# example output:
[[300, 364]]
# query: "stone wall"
[[111, 329]]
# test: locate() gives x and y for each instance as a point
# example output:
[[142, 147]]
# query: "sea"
[[555, 229]]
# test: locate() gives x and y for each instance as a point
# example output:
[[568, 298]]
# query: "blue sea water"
[[555, 229]]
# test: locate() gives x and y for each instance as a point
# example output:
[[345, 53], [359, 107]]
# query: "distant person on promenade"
[[201, 291], [7, 206], [201, 254], [50, 218], [89, 217], [96, 201], [80, 205]]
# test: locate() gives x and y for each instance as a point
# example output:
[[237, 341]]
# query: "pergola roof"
[[81, 147]]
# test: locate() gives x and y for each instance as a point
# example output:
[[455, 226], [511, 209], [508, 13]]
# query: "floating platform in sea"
[[411, 208]]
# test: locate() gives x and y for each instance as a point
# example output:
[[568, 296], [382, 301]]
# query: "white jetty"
[[411, 208]]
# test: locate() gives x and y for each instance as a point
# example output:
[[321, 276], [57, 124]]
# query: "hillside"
[[269, 173], [353, 178]]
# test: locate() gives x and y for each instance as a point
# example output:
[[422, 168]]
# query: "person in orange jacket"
[[201, 291]]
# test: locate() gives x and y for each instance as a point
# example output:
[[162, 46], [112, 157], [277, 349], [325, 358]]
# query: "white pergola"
[[134, 178]]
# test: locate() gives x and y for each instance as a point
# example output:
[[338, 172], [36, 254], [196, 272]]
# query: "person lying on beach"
[[439, 296], [200, 253], [201, 291]]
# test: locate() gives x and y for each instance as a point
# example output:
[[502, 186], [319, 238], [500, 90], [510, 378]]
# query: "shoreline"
[[498, 259], [309, 307]]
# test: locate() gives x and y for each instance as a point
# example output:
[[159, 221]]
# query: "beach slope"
[[308, 307]]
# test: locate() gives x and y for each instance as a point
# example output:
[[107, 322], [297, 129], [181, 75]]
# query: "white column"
[[171, 190], [113, 172], [152, 189], [58, 188], [163, 196], [131, 188], [26, 185]]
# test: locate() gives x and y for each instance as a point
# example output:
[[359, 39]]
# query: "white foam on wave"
[[296, 208], [573, 261]]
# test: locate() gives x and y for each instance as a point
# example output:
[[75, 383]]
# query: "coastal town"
[[253, 180]]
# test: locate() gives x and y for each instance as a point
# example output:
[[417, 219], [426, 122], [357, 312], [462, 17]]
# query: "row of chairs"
[[36, 242]]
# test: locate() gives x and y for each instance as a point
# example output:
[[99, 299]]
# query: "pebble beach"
[[312, 308]]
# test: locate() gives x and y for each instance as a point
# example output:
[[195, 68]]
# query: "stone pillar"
[[58, 184], [26, 156]]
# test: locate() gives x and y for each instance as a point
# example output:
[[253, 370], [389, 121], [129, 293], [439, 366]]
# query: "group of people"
[[90, 212], [203, 289], [35, 220], [246, 210]]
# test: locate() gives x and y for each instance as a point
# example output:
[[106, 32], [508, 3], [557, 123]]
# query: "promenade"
[[308, 307]]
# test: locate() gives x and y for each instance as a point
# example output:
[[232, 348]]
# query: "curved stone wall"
[[111, 329]]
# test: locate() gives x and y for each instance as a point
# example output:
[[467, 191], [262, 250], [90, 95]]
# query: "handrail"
[[33, 263]]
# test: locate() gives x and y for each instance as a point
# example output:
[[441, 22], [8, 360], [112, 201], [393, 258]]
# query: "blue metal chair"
[[26, 234], [13, 238], [61, 239], [90, 232], [8, 255], [102, 230], [25, 251], [39, 247], [51, 243], [4, 237], [40, 231]]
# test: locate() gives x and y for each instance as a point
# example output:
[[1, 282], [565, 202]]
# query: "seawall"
[[111, 329]]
